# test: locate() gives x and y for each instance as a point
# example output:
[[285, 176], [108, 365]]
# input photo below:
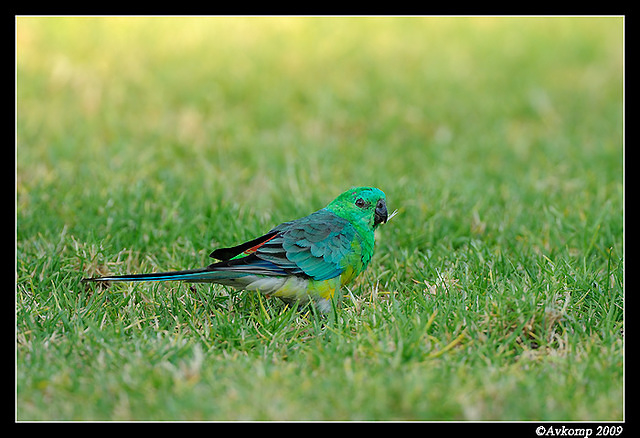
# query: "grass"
[[495, 294]]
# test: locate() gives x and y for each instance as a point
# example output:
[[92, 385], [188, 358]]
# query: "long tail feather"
[[228, 273], [202, 274]]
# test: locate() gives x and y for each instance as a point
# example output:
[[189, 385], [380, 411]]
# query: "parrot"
[[305, 260]]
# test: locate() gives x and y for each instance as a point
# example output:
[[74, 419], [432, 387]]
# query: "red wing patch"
[[255, 248]]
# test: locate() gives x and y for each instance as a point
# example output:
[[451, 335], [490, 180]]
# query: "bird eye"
[[360, 202]]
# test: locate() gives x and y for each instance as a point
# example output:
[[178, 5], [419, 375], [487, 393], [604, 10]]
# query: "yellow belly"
[[302, 290]]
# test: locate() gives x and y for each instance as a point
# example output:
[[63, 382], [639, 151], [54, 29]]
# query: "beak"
[[380, 215]]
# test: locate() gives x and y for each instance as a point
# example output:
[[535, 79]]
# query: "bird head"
[[366, 204]]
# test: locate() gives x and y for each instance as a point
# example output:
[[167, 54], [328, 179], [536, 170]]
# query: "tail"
[[235, 273], [191, 275]]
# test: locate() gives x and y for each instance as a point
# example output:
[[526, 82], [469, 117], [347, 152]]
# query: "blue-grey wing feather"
[[313, 246]]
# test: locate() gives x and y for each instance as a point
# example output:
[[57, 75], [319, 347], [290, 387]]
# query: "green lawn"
[[495, 294]]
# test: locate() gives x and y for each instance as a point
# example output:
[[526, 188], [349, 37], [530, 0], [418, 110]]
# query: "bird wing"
[[314, 246]]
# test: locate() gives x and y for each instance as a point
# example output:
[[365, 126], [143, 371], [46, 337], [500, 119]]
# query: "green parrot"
[[310, 258]]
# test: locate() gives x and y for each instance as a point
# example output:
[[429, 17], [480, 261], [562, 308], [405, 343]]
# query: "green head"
[[361, 204]]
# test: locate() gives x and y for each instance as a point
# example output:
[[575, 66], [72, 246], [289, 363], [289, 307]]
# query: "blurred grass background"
[[144, 143]]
